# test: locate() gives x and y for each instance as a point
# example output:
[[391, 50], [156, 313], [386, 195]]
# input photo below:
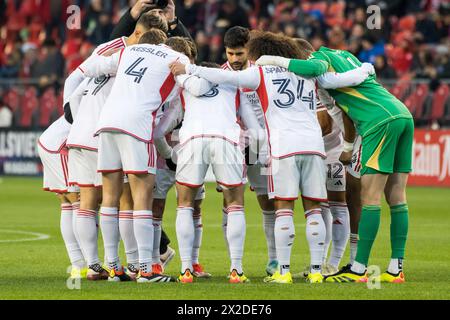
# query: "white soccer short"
[[303, 173], [56, 173], [83, 168], [257, 177], [354, 168], [122, 152], [196, 155], [165, 179], [335, 170]]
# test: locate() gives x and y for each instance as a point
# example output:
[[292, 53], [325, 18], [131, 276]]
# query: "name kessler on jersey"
[[152, 51]]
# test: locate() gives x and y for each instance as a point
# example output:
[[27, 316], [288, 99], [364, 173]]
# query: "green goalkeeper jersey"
[[369, 104]]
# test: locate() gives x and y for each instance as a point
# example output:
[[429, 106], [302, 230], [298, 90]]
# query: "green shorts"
[[389, 149]]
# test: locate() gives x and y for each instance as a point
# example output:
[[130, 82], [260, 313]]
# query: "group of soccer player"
[[141, 117]]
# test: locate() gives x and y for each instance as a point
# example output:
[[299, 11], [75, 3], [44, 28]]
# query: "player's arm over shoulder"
[[97, 65], [351, 78]]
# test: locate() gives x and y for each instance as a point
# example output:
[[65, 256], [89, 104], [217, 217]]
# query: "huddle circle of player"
[[141, 117]]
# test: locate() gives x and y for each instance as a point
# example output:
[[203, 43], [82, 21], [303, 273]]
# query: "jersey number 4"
[[134, 72], [290, 97]]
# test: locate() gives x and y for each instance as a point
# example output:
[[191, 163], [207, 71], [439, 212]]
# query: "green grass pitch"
[[37, 269]]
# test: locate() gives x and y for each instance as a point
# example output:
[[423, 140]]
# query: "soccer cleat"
[[167, 256], [157, 268], [132, 272], [302, 274], [328, 269], [314, 277], [392, 278], [152, 277], [199, 272], [96, 272], [186, 277], [347, 275], [279, 278], [118, 275], [272, 267], [78, 273], [235, 277]]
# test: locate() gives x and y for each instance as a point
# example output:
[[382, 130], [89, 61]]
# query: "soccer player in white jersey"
[[235, 41], [53, 153], [169, 122], [83, 146], [125, 132], [210, 136], [335, 212], [295, 142]]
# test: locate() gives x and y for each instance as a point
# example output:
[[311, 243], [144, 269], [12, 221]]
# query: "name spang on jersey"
[[143, 83], [212, 115], [289, 104], [85, 123]]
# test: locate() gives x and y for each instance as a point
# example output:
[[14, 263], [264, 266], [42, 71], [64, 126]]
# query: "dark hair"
[[236, 37], [154, 36], [268, 43], [150, 20], [305, 47], [179, 44], [209, 64], [192, 47]]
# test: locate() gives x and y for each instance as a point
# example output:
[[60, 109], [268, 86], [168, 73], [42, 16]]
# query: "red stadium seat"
[[407, 23], [47, 106], [29, 106], [415, 102], [400, 89], [440, 99]]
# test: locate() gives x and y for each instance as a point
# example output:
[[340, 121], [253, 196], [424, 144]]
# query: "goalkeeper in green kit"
[[387, 130]]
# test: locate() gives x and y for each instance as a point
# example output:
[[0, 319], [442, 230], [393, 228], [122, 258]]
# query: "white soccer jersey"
[[334, 141], [105, 48], [143, 84], [54, 138], [85, 121], [213, 114]]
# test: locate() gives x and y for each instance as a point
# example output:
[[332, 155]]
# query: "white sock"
[[143, 231], [75, 207], [88, 234], [126, 230], [353, 246], [395, 266], [185, 236], [236, 236], [198, 234], [156, 255], [315, 234], [358, 267], [284, 238], [109, 224], [340, 231], [328, 220], [224, 228], [269, 226], [73, 249]]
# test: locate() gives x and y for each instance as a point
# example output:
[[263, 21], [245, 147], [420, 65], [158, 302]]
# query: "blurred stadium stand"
[[411, 52]]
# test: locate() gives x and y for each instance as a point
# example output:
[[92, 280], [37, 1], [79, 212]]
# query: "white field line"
[[36, 236]]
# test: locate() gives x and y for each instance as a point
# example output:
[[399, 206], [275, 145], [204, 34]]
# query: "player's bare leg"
[[268, 209], [87, 228], [126, 229], [395, 193], [109, 221], [185, 229], [236, 228], [353, 196]]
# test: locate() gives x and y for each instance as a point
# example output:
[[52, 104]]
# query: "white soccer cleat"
[[167, 256]]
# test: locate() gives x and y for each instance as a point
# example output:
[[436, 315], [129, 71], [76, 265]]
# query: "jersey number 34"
[[289, 96]]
